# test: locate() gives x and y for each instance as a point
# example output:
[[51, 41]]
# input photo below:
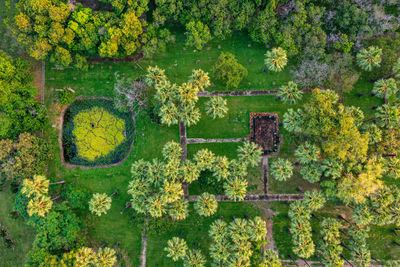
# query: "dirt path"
[[257, 198], [202, 140], [144, 248], [265, 167], [39, 79]]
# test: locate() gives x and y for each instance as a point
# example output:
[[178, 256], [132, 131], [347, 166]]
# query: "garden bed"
[[95, 134], [264, 131]]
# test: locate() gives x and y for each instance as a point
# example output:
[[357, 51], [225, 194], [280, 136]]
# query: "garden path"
[[250, 198], [202, 140]]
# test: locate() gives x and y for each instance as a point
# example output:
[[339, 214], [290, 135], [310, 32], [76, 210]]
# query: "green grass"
[[20, 233], [195, 229]]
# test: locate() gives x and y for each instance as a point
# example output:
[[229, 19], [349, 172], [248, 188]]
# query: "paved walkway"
[[238, 93], [250, 198], [202, 140]]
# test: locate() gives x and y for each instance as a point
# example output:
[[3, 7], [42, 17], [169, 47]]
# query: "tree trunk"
[[113, 194], [56, 197], [127, 205], [290, 256], [103, 245], [266, 69], [383, 77], [116, 245], [60, 182]]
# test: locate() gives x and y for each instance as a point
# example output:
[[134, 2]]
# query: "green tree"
[[204, 159], [281, 169], [385, 88], [388, 116], [206, 204], [100, 203], [85, 257], [314, 199], [250, 153], [369, 58], [229, 70], [198, 34], [194, 258], [270, 259], [236, 188], [38, 186], [39, 205], [330, 244], [307, 153], [276, 59], [216, 107], [290, 93], [293, 121], [176, 249]]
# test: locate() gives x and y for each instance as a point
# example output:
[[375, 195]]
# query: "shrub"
[[198, 34], [229, 70], [66, 96], [216, 107], [77, 196]]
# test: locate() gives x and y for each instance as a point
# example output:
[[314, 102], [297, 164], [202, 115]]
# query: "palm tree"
[[85, 257], [388, 116], [271, 259], [396, 69], [258, 229], [385, 88], [204, 159], [100, 203], [216, 107], [156, 206], [200, 79], [281, 169], [369, 58], [39, 185], [39, 205], [178, 210], [106, 257], [290, 93], [236, 188], [171, 191], [206, 204], [189, 172], [220, 252], [307, 153], [239, 230], [176, 249], [194, 258], [250, 153], [155, 75], [293, 120], [169, 114], [311, 172], [221, 168], [314, 199], [275, 59], [218, 230]]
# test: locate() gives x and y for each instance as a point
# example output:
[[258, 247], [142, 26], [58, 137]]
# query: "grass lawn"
[[195, 229], [20, 233]]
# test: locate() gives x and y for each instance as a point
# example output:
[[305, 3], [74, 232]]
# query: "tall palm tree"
[[106, 257], [39, 185], [178, 210], [176, 249], [156, 206], [100, 203], [307, 153], [204, 159], [216, 107], [385, 88], [369, 58], [281, 169], [200, 79], [218, 230], [293, 120], [206, 204], [85, 257], [314, 200], [220, 252], [189, 172], [258, 229], [221, 168], [155, 75], [194, 258], [39, 205], [250, 153], [236, 188], [171, 191], [271, 259], [275, 59], [388, 116], [290, 93]]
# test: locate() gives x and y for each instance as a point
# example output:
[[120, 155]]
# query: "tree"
[[177, 249], [307, 153], [250, 153], [177, 104], [276, 59], [129, 95], [281, 169], [369, 58], [39, 205], [36, 187], [198, 34], [330, 244], [85, 257], [179, 209], [216, 107], [385, 88], [194, 258], [314, 199], [106, 257], [229, 70], [235, 188], [204, 159], [359, 252], [293, 120], [100, 203], [271, 259], [388, 116], [290, 93], [206, 204]]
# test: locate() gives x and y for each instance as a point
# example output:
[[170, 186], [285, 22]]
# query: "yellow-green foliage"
[[97, 133]]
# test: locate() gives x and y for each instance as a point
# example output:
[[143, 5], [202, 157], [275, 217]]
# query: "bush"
[[78, 196], [198, 34], [229, 70], [66, 96]]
